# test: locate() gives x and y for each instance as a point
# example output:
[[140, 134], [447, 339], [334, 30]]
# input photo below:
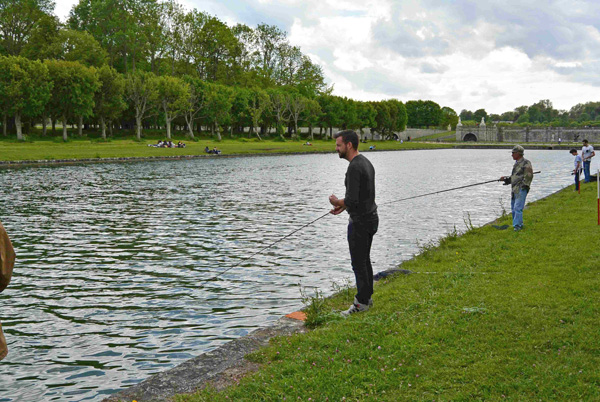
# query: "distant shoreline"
[[73, 161]]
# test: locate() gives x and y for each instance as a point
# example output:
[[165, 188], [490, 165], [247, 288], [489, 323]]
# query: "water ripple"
[[115, 278]]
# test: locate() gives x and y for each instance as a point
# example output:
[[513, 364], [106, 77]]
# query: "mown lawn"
[[486, 315], [11, 150]]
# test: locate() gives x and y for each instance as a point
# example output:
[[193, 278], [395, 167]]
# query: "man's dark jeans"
[[360, 238]]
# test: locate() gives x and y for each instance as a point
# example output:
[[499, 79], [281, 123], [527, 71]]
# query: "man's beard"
[[342, 154]]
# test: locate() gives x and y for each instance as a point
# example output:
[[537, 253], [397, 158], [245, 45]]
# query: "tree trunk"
[[218, 132], [257, 134], [18, 126], [80, 126], [190, 126], [4, 125], [44, 125], [103, 126], [138, 125], [168, 123], [53, 126], [110, 128], [64, 123], [231, 131], [310, 132]]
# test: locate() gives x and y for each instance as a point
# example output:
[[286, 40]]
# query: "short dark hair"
[[348, 136], [585, 141], [572, 150]]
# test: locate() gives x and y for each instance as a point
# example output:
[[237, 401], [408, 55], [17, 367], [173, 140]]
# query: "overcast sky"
[[466, 54]]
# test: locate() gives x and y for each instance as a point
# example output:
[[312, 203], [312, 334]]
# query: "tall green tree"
[[449, 117], [142, 93], [74, 88], [312, 113], [267, 40], [40, 45], [423, 113], [219, 99], [297, 105], [173, 97], [480, 114], [330, 112], [78, 46], [18, 18], [24, 88], [214, 52], [196, 101], [366, 116], [109, 99], [258, 105], [240, 109], [280, 107]]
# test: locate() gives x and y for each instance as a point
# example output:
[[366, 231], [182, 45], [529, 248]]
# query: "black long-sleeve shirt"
[[360, 190]]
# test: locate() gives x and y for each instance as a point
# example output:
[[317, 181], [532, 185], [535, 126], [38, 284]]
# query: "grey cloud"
[[559, 29], [401, 37], [429, 68], [586, 73]]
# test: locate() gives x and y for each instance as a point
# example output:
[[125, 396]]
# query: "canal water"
[[112, 281]]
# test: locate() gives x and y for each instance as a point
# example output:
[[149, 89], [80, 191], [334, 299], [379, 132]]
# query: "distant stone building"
[[482, 132]]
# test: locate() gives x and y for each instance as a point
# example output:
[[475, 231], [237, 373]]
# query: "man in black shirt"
[[359, 201]]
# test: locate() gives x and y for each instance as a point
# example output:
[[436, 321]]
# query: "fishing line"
[[328, 213]]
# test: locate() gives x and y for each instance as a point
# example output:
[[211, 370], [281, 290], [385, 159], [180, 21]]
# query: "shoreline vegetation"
[[482, 315], [13, 151], [55, 151]]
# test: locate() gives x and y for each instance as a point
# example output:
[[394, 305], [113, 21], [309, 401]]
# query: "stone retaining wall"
[[519, 135]]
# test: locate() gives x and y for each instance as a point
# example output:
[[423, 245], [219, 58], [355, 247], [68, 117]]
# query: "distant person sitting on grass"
[[180, 145], [216, 151], [307, 143], [578, 167], [207, 150]]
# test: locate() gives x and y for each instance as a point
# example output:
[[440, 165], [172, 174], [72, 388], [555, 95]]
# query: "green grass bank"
[[56, 149], [488, 314]]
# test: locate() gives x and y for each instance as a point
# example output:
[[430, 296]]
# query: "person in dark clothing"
[[359, 201]]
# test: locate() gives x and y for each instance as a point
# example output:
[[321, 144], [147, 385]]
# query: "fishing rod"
[[444, 191], [264, 248], [329, 212]]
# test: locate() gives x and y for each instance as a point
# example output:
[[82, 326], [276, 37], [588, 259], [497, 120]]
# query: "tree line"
[[541, 113], [151, 63]]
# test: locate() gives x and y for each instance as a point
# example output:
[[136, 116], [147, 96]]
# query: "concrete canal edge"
[[220, 367]]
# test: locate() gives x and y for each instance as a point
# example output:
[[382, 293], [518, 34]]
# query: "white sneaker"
[[356, 307]]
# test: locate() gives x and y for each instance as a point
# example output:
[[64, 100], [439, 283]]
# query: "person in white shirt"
[[587, 153]]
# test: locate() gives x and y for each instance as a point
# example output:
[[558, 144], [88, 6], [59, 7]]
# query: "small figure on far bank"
[[359, 201], [559, 140], [587, 153], [577, 171], [7, 262], [520, 181]]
